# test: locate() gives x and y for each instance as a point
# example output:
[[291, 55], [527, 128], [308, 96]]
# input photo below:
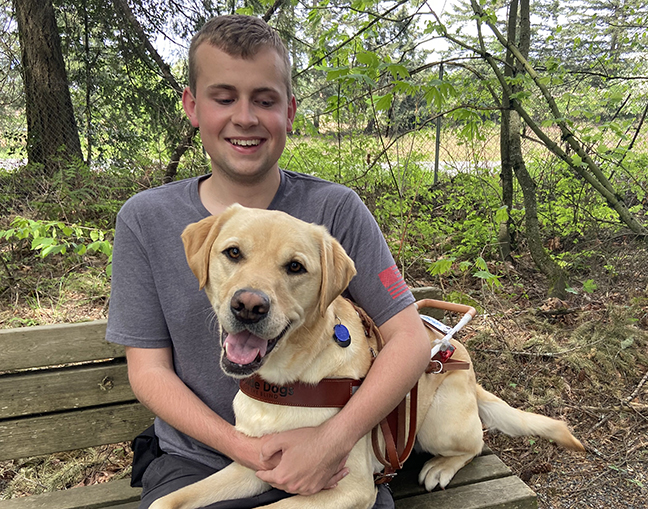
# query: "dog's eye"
[[295, 268], [233, 253]]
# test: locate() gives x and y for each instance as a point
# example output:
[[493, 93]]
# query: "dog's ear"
[[337, 271], [198, 239]]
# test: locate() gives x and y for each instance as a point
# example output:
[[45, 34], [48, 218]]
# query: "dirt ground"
[[583, 359]]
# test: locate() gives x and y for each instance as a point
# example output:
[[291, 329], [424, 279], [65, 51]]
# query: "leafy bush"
[[56, 237]]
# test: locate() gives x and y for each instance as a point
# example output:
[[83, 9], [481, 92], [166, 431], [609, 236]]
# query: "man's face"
[[242, 110]]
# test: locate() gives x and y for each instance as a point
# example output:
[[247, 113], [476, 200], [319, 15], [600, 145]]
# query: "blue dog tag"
[[341, 335]]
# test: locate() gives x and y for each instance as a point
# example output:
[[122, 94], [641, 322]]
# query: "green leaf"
[[502, 215], [41, 242], [441, 266], [480, 263], [398, 71], [576, 160], [368, 58], [589, 286], [403, 87], [464, 266], [56, 249], [384, 103], [337, 73], [360, 77]]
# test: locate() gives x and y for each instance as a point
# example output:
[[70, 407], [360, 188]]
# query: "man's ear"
[[189, 105], [337, 271], [292, 111]]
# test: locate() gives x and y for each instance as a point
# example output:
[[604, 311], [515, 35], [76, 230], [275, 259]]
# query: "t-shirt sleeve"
[[135, 317], [378, 287]]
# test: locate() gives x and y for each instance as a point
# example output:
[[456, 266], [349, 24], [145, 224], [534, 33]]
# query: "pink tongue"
[[243, 348]]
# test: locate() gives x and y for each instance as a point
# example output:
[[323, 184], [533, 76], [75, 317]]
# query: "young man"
[[241, 98]]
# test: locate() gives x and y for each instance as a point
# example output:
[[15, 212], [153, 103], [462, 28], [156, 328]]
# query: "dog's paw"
[[439, 471]]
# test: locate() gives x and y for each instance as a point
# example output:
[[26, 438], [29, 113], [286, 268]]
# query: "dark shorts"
[[169, 472]]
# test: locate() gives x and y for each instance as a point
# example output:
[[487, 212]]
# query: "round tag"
[[341, 335]]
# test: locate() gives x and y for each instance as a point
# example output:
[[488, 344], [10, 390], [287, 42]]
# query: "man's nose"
[[244, 114]]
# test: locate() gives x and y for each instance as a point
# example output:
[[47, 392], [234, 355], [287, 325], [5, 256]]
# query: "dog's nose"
[[250, 306]]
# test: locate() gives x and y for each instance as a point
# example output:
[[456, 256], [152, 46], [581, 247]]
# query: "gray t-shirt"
[[155, 301]]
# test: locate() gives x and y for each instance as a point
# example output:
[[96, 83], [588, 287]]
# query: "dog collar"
[[328, 393]]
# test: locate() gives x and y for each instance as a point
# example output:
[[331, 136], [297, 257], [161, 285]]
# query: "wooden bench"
[[63, 387]]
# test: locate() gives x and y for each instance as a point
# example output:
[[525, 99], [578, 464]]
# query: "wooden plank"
[[39, 392], [34, 436], [50, 345], [505, 493], [482, 468], [114, 494]]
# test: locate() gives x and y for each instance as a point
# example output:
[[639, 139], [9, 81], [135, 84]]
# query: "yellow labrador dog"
[[275, 284]]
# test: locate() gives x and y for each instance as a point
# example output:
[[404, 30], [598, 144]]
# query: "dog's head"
[[266, 275]]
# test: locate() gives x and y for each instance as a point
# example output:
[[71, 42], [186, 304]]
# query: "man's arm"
[[394, 372], [156, 385]]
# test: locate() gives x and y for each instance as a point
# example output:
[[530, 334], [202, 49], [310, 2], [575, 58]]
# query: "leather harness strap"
[[396, 451], [438, 367], [399, 441]]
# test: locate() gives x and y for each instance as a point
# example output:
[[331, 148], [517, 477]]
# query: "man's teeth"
[[245, 143]]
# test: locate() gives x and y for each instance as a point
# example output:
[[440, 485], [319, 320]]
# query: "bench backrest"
[[63, 387]]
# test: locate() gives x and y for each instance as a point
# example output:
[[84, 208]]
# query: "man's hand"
[[311, 459], [246, 451]]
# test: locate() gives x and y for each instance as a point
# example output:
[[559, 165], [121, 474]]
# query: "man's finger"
[[337, 478]]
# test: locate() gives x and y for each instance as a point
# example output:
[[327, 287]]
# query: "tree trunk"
[[181, 148], [52, 133], [548, 266], [506, 175], [515, 159]]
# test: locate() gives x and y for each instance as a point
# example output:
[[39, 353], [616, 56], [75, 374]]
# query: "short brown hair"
[[239, 36]]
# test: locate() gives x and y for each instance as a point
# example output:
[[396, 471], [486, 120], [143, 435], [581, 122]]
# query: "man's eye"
[[296, 268], [233, 253]]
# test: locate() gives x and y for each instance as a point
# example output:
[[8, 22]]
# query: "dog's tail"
[[497, 414]]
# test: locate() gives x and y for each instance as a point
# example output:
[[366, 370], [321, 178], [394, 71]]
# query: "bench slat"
[[50, 345], [505, 493], [113, 494], [34, 436], [482, 468], [39, 392]]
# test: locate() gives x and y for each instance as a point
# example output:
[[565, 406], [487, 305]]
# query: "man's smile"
[[245, 143]]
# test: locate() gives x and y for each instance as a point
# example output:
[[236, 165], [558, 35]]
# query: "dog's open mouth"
[[245, 352]]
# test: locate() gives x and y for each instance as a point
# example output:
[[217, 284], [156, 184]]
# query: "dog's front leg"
[[234, 481], [335, 498], [355, 491]]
